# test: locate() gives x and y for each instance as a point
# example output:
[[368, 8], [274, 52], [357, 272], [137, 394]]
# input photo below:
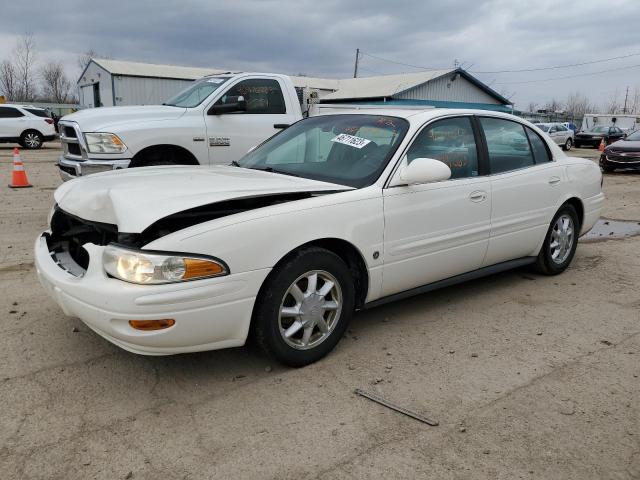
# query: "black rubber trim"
[[479, 273]]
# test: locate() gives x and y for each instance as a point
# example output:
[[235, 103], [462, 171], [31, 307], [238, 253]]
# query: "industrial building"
[[455, 88], [107, 82]]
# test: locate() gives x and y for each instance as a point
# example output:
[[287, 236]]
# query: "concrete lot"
[[529, 377]]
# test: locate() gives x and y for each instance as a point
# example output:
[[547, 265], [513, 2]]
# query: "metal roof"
[[137, 69], [386, 86]]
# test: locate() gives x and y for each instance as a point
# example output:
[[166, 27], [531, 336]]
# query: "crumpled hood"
[[103, 118], [134, 199]]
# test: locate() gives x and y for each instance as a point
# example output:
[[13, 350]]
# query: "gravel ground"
[[528, 376]]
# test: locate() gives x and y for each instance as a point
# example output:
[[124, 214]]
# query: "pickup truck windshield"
[[350, 150], [195, 94]]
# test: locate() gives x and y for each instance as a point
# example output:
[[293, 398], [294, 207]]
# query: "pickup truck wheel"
[[567, 145], [304, 307], [560, 242], [31, 140]]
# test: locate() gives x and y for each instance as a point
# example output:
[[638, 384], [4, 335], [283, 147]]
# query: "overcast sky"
[[319, 37]]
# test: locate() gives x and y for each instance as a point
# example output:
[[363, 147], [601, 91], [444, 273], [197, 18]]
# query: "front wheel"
[[304, 307], [560, 242], [567, 145]]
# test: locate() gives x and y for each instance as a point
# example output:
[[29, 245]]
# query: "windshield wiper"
[[273, 170], [234, 163]]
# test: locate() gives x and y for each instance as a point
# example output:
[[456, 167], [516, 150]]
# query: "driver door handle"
[[281, 125], [477, 196]]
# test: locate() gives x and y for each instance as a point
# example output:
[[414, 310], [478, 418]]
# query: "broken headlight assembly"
[[104, 143], [153, 268]]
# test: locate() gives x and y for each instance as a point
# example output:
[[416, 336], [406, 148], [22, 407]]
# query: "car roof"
[[32, 107], [415, 114]]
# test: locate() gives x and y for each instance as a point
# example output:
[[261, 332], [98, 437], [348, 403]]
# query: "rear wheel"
[[31, 140], [560, 242], [567, 145], [304, 307]]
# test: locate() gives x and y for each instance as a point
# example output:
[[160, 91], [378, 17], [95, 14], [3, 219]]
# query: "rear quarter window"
[[538, 146], [37, 112]]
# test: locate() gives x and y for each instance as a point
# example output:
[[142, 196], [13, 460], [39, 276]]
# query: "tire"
[[308, 330], [31, 140], [553, 260], [567, 145]]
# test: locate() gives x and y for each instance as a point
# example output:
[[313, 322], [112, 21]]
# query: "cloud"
[[320, 38]]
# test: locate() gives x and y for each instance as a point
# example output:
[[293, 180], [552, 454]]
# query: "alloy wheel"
[[310, 310], [32, 140], [561, 239]]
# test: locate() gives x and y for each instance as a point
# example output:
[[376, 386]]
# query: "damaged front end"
[[69, 233]]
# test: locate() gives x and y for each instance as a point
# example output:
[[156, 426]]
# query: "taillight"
[[48, 120]]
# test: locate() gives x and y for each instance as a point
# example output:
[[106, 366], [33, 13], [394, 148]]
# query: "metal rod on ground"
[[376, 398]]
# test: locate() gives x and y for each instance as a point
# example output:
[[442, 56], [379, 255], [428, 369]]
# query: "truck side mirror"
[[231, 104]]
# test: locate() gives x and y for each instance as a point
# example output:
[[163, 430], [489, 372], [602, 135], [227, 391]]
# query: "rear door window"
[[539, 147], [507, 144], [37, 112]]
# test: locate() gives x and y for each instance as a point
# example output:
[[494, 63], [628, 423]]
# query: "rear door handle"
[[554, 180], [477, 196], [281, 125]]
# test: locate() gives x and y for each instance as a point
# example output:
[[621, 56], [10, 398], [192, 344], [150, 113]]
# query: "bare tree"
[[24, 60], [532, 107], [84, 58], [553, 105], [8, 80], [578, 104], [634, 105], [613, 104], [56, 85]]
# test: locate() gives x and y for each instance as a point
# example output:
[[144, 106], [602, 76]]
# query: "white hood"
[[103, 118], [134, 199]]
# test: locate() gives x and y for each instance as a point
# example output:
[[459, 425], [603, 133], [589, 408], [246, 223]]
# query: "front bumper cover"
[[210, 314], [70, 169]]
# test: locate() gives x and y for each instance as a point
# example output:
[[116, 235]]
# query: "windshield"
[[600, 130], [195, 94], [544, 128], [634, 137], [349, 150]]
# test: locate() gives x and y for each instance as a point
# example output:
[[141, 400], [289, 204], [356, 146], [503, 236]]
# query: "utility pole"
[[626, 96], [355, 70]]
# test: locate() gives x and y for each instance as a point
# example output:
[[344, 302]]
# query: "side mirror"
[[231, 104], [425, 170]]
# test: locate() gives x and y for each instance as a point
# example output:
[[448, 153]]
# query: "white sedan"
[[334, 214]]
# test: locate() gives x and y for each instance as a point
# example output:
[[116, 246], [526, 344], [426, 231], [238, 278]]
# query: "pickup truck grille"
[[72, 141]]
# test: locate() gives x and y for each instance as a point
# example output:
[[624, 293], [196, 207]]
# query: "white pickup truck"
[[214, 121]]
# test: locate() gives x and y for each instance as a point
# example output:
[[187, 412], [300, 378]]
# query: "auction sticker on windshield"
[[351, 140]]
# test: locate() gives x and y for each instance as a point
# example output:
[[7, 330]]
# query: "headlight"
[[104, 143], [138, 266]]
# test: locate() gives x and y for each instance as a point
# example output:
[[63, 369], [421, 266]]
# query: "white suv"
[[27, 125]]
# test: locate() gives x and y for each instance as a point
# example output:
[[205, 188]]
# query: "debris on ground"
[[381, 401]]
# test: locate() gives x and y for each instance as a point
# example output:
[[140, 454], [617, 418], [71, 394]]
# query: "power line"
[[399, 63], [570, 76], [522, 70]]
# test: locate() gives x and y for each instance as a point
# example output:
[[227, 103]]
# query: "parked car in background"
[[560, 133], [26, 125], [624, 153], [595, 135], [335, 213]]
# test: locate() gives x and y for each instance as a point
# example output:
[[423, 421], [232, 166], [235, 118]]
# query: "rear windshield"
[[544, 128], [37, 112], [600, 130], [634, 137]]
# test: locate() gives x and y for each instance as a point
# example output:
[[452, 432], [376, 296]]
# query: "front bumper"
[[209, 314], [619, 161], [70, 169]]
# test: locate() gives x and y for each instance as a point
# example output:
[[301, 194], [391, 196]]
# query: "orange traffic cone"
[[18, 176], [602, 145]]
